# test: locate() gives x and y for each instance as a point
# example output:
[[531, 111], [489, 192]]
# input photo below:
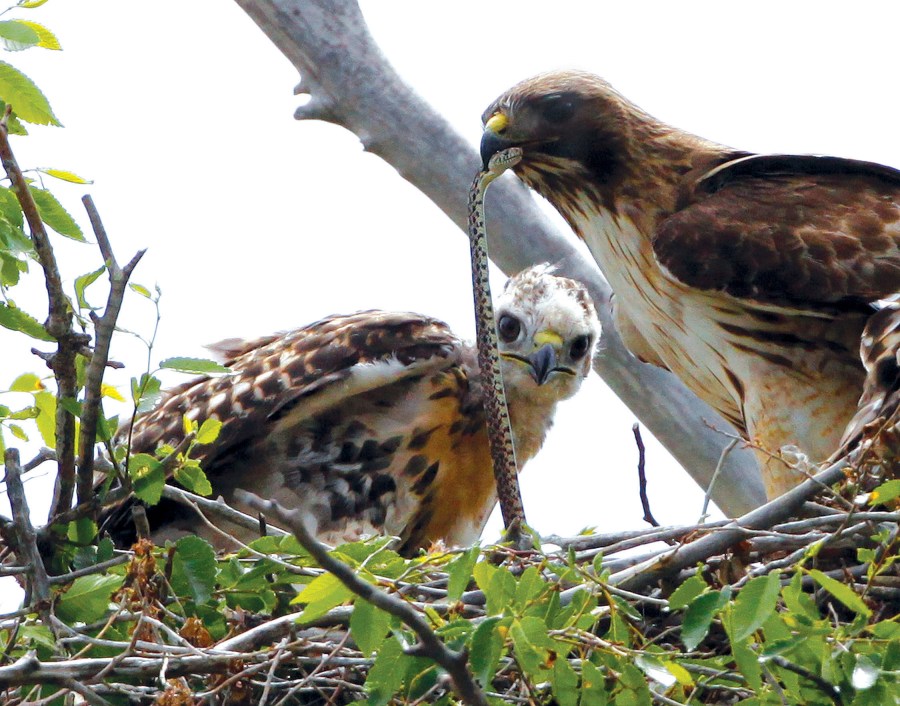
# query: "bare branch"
[[103, 328], [778, 510], [429, 644], [26, 538], [351, 83], [642, 476], [58, 325]]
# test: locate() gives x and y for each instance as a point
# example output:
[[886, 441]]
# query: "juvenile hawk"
[[750, 277], [373, 422]]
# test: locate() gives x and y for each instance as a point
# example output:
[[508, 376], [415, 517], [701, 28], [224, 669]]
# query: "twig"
[[833, 692], [88, 695], [104, 327], [220, 508], [642, 475], [707, 496], [429, 645], [58, 325], [773, 512]]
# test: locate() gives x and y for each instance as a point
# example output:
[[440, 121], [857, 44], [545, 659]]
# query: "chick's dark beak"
[[492, 141], [543, 361]]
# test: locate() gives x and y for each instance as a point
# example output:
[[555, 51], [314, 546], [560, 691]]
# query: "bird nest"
[[756, 610]]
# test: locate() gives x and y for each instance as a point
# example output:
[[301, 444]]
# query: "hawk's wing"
[[788, 230], [880, 352], [312, 418], [322, 365]]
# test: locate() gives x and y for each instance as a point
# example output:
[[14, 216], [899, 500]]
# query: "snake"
[[503, 451]]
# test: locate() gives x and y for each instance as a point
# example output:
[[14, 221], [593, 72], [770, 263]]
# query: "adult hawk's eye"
[[579, 347], [557, 107], [508, 328]]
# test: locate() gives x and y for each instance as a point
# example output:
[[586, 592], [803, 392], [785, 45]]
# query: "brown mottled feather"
[[750, 277], [372, 422]]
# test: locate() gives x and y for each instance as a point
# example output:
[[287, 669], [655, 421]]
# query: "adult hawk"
[[750, 277], [373, 422]]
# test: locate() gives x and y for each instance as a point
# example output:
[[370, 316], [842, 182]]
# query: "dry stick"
[[104, 327], [642, 475], [503, 452], [26, 538], [58, 325], [671, 561], [429, 644]]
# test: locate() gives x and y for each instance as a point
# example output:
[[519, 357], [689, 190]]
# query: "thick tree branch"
[[429, 644], [351, 83]]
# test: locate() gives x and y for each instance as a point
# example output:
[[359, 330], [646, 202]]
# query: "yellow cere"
[[496, 123], [542, 338]]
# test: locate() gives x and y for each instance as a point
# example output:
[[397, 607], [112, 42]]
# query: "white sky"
[[181, 113]]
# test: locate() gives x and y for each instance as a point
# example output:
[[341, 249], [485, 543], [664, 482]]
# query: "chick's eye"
[[579, 347], [557, 108], [508, 328]]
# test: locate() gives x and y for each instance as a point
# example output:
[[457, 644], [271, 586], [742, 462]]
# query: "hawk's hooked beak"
[[492, 141], [543, 362]]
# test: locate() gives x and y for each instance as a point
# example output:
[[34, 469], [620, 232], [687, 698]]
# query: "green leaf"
[[754, 604], [564, 683], [47, 39], [687, 592], [10, 207], [460, 573], [17, 35], [747, 662], [698, 617], [194, 479], [369, 626], [18, 432], [54, 215], [194, 568], [81, 283], [209, 431], [486, 648], [64, 175], [27, 101], [31, 3], [81, 531], [87, 600], [885, 492], [46, 419], [140, 289], [15, 319], [198, 366], [593, 686], [321, 595], [26, 382], [841, 591], [145, 392], [529, 586], [147, 477], [797, 601], [386, 675], [105, 550], [532, 645], [655, 669]]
